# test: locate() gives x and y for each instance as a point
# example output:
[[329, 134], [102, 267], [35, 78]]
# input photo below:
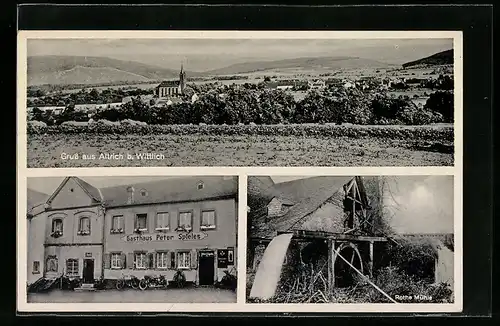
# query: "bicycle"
[[129, 281], [153, 282]]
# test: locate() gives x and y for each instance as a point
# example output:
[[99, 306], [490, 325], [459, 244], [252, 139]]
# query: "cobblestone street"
[[189, 295]]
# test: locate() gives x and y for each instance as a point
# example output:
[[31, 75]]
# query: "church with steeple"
[[172, 88]]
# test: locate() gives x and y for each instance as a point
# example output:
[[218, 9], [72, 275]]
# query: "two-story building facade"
[[140, 229], [74, 231], [191, 227]]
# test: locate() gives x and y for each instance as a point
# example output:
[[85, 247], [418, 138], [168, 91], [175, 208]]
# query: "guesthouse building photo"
[[164, 227]]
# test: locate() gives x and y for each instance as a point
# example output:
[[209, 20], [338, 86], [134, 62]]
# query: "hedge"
[[433, 133]]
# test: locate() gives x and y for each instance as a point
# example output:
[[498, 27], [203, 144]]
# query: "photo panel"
[[131, 239], [351, 239], [208, 98]]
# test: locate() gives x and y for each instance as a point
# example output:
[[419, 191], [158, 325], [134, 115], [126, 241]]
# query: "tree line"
[[231, 105]]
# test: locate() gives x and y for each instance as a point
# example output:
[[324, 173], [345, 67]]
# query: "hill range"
[[440, 58], [67, 70]]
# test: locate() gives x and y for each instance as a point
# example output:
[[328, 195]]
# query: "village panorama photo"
[[261, 99], [350, 239], [132, 239]]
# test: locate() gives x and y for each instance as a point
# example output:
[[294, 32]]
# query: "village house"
[[152, 228], [172, 88], [327, 217], [280, 84], [54, 109], [316, 84]]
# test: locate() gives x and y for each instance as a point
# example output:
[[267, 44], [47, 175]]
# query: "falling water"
[[269, 270]]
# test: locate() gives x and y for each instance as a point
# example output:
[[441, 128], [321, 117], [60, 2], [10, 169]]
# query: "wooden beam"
[[304, 234], [370, 262], [354, 199], [331, 267]]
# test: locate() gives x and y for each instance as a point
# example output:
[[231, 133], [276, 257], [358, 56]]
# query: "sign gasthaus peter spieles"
[[160, 237]]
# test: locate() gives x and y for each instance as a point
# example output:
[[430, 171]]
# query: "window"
[[116, 260], [117, 225], [52, 265], [57, 227], [36, 267], [183, 260], [144, 193], [162, 221], [162, 259], [200, 185], [140, 260], [72, 266], [84, 226], [185, 221], [207, 220], [141, 222], [230, 256]]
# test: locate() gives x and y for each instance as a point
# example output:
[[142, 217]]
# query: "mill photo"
[[132, 239], [350, 239], [245, 99]]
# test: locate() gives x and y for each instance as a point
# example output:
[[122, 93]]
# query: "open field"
[[272, 149]]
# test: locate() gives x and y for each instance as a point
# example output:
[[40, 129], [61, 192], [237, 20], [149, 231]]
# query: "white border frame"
[[23, 173]]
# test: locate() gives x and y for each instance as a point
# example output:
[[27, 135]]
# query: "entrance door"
[[207, 272], [88, 271]]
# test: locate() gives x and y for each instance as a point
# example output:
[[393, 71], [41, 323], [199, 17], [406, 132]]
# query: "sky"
[[415, 204], [48, 185], [207, 54]]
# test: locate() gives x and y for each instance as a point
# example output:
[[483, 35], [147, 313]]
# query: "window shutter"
[[194, 260], [130, 260], [169, 260], [151, 260], [173, 259], [107, 261], [124, 261]]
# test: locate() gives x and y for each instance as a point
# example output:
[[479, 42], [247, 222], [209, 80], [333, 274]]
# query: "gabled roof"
[[90, 190], [169, 83], [309, 194], [172, 190], [160, 191]]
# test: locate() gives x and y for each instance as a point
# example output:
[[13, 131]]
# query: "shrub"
[[442, 103]]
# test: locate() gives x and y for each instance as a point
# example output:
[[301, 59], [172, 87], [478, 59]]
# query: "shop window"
[[162, 221], [141, 222], [51, 264], [36, 267], [183, 260], [117, 225], [140, 260], [116, 261], [84, 226], [57, 227], [207, 220], [72, 267], [162, 259], [185, 221]]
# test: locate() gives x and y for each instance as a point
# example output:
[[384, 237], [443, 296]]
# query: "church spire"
[[182, 78]]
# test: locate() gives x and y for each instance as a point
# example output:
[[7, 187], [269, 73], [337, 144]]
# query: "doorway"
[[88, 271], [206, 266]]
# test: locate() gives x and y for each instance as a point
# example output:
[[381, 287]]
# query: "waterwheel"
[[345, 275]]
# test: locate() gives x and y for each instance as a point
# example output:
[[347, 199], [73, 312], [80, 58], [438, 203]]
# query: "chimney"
[[130, 191]]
